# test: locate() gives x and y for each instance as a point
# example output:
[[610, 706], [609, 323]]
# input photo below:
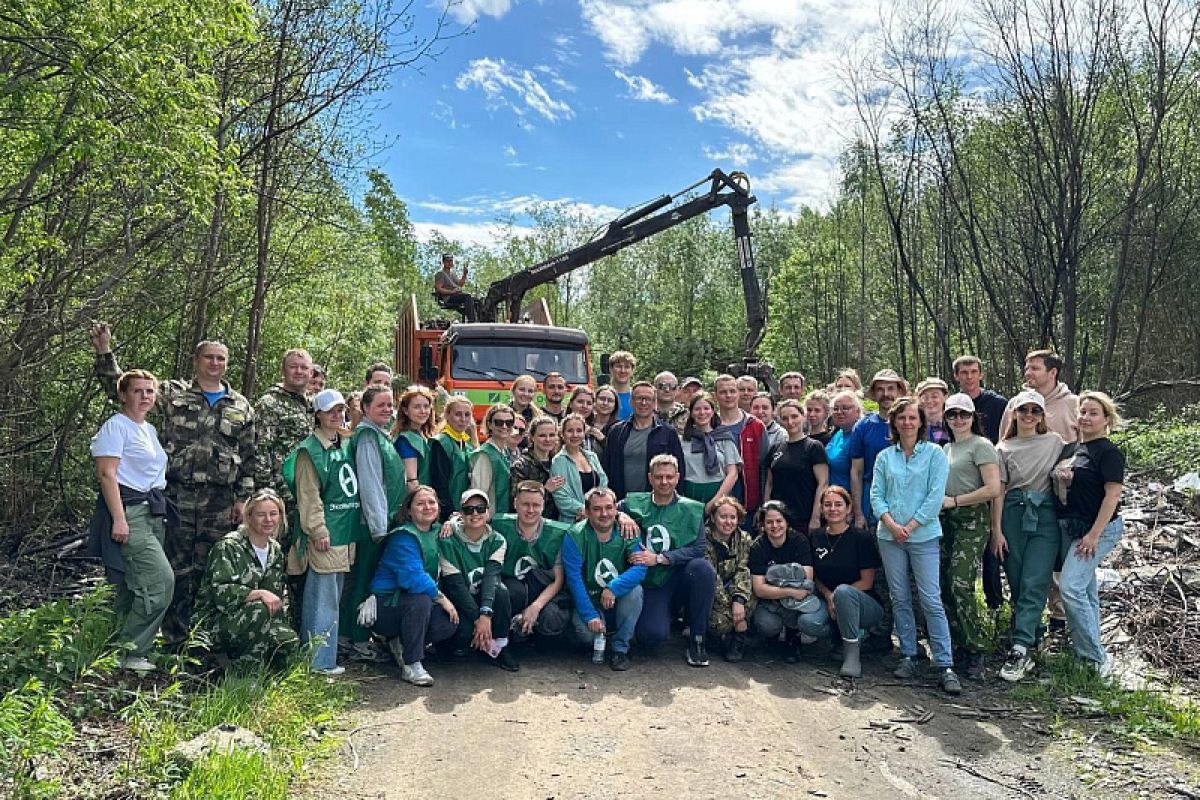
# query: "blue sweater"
[[401, 567], [910, 488], [573, 567]]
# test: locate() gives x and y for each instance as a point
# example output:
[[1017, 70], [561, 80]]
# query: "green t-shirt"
[[965, 459], [522, 556], [664, 528], [602, 561], [460, 556]]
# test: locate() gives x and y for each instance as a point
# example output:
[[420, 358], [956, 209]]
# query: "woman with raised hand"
[[712, 458], [416, 424], [491, 463], [906, 495], [799, 470], [410, 610], [578, 467], [319, 472], [535, 463], [1089, 480], [128, 528], [1025, 535], [727, 548], [450, 453], [973, 482]]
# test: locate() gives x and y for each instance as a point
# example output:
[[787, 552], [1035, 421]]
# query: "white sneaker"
[[1016, 666], [137, 663], [1106, 669], [416, 675], [331, 672]]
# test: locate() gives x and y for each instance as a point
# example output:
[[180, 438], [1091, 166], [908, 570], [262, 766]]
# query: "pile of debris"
[[1150, 585]]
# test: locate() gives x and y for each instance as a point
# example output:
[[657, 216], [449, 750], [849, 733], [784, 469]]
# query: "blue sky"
[[602, 104]]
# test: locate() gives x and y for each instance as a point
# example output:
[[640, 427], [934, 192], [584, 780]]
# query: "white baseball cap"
[[961, 401], [327, 399]]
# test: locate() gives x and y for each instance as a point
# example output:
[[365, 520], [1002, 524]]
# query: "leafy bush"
[[30, 726], [1163, 443]]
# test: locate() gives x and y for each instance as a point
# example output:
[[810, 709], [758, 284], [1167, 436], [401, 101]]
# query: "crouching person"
[[606, 598], [410, 611], [728, 550], [471, 560], [533, 570], [241, 599], [781, 575]]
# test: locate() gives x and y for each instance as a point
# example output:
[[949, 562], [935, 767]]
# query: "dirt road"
[[562, 728]]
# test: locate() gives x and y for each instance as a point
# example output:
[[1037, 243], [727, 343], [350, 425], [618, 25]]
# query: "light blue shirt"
[[910, 488]]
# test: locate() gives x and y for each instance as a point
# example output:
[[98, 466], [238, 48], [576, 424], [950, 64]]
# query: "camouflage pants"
[[964, 533], [720, 620], [252, 633], [205, 515]]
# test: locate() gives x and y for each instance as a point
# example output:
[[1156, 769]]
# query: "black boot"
[[736, 650]]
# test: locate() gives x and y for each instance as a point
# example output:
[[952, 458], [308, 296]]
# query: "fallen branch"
[[967, 768]]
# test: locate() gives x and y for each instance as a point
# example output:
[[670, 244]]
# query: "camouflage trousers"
[[252, 633], [205, 515], [720, 619], [965, 532]]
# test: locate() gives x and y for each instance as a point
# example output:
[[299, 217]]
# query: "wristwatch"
[[661, 560], [485, 611]]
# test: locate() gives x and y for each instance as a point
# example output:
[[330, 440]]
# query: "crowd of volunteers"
[[384, 523]]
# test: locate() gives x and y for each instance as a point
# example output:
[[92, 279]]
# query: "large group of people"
[[387, 522]]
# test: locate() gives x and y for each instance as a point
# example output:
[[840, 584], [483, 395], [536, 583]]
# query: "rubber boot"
[[851, 667]]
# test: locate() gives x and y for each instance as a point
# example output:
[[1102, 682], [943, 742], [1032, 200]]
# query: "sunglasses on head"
[[1034, 411], [474, 509], [958, 413]]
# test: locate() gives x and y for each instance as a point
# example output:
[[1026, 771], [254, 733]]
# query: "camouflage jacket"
[[677, 415], [204, 444], [281, 421], [732, 563], [233, 572]]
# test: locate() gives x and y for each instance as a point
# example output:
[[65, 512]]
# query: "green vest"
[[460, 467], [421, 445], [429, 546], [339, 488], [664, 528], [602, 561], [393, 466], [469, 560], [500, 475], [521, 556]]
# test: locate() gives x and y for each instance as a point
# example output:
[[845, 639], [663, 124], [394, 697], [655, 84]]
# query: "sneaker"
[[973, 666], [396, 648], [1016, 666], [906, 669], [1106, 669], [697, 656], [139, 664], [416, 674], [949, 682], [619, 662], [506, 661], [331, 672], [808, 639]]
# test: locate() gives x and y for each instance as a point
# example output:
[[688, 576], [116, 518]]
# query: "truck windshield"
[[506, 360]]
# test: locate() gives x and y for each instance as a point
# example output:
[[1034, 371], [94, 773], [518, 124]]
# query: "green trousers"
[[149, 582], [965, 531], [1030, 527], [367, 554]]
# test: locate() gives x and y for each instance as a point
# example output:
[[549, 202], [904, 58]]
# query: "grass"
[[1163, 443], [58, 671], [1140, 714]]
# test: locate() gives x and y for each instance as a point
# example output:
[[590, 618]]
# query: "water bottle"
[[598, 645]]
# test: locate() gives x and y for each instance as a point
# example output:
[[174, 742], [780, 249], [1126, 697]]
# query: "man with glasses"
[[668, 409], [633, 442], [604, 583], [471, 562]]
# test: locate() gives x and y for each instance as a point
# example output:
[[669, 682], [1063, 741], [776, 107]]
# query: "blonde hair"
[[264, 496], [1109, 406]]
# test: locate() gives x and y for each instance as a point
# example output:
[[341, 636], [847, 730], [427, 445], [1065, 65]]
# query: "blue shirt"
[[405, 449], [213, 397], [624, 405], [838, 452], [910, 488], [868, 439]]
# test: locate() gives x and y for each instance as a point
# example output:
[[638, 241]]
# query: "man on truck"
[[449, 289]]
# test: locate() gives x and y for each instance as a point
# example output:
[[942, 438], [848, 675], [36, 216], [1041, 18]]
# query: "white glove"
[[366, 612]]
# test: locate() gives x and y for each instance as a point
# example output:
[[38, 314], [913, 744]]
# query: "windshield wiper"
[[489, 376]]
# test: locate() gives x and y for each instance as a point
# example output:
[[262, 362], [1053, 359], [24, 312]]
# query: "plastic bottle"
[[598, 645]]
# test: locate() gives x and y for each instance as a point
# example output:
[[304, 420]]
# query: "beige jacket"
[[311, 510]]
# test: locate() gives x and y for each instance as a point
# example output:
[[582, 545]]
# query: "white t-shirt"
[[262, 553], [143, 464]]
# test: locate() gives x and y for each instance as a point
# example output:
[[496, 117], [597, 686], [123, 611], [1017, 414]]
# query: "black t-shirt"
[[824, 436], [1095, 463], [792, 478], [840, 559], [794, 550]]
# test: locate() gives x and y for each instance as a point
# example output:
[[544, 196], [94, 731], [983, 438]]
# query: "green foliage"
[[1164, 443], [31, 726]]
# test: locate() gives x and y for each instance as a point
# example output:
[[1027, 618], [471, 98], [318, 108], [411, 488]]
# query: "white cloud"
[[642, 88], [514, 206], [515, 88], [468, 11], [483, 234], [510, 151], [805, 182], [738, 154]]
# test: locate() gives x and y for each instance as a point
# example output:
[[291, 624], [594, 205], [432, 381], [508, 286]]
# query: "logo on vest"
[[658, 539], [348, 481], [604, 573], [523, 566], [475, 579]]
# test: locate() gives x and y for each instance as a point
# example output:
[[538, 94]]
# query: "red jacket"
[[753, 440]]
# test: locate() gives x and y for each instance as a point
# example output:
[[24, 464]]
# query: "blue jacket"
[[400, 567], [662, 439], [910, 488]]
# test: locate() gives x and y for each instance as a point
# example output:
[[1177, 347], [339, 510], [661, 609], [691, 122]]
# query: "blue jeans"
[[857, 611], [319, 616], [921, 560], [625, 616], [1081, 596]]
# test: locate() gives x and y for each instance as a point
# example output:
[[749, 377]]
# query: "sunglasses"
[[502, 423], [667, 387], [479, 509], [643, 399], [957, 413], [1032, 411]]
